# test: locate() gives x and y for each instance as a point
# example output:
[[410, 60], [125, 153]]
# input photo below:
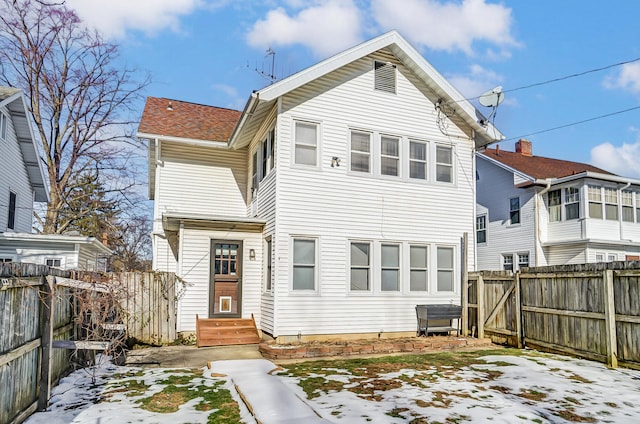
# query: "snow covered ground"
[[499, 388]]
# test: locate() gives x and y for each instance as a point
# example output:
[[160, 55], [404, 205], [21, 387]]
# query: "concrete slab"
[[189, 356]]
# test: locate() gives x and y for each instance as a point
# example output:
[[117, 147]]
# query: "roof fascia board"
[[508, 168], [183, 140], [247, 112], [589, 174], [11, 98]]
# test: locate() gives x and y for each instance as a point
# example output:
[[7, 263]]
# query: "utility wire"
[[572, 124]]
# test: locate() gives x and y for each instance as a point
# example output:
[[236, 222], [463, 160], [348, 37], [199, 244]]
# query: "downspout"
[[536, 221]]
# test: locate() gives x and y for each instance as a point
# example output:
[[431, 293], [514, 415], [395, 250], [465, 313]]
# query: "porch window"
[[418, 268], [417, 160], [637, 207], [390, 272], [627, 205], [445, 269], [360, 151], [611, 204], [595, 202], [481, 229], [572, 203], [389, 155], [360, 266], [444, 164], [555, 206], [304, 264], [514, 210], [11, 220], [306, 143]]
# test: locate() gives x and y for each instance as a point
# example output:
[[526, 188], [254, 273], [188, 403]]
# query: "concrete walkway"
[[267, 397]]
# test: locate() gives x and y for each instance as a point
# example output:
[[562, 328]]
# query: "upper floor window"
[[11, 220], [254, 173], [481, 229], [304, 264], [3, 126], [555, 205], [637, 207], [445, 269], [572, 202], [268, 150], [514, 210], [611, 203], [360, 151], [627, 205], [595, 202], [389, 155], [360, 266], [444, 164], [417, 160], [306, 143], [418, 268], [385, 76]]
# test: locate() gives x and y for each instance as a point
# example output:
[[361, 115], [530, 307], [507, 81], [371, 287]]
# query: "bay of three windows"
[[603, 203], [389, 270]]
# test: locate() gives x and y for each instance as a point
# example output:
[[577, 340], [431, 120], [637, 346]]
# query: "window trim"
[[424, 162], [607, 202], [315, 264], [483, 229], [316, 163], [556, 206], [12, 209], [570, 194], [397, 158], [268, 264], [414, 268], [449, 165], [398, 268], [628, 207], [368, 267], [452, 270], [60, 260], [4, 126], [515, 212], [368, 154], [592, 191], [505, 261]]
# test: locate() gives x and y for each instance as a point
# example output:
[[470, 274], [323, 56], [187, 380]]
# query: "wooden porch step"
[[226, 331]]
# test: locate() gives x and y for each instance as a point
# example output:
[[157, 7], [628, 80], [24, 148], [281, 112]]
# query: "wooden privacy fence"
[[588, 310]]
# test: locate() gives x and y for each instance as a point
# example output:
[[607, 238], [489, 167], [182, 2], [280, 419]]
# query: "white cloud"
[[447, 25], [113, 18], [622, 160], [326, 27], [475, 82], [628, 78]]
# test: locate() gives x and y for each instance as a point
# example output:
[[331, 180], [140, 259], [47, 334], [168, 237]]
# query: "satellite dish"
[[492, 98]]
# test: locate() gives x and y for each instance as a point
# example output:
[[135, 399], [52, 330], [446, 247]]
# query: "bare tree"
[[81, 100]]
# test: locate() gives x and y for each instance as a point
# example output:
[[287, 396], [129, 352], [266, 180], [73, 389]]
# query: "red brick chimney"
[[523, 147]]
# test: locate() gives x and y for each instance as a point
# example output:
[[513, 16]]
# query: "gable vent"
[[385, 77]]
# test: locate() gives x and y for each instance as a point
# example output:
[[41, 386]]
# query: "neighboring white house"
[[332, 205], [22, 183], [537, 211]]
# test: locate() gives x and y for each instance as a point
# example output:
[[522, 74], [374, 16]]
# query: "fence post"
[[46, 337], [518, 311], [610, 319], [480, 302], [464, 301]]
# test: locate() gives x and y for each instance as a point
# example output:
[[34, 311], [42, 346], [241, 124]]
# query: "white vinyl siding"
[[418, 268], [304, 264], [418, 160], [445, 269], [306, 142], [390, 267], [360, 258], [389, 155], [360, 151], [444, 164]]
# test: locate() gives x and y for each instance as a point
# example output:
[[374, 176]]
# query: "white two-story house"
[[537, 211], [332, 204]]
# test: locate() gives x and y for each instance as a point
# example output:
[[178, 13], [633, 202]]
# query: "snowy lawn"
[[499, 386]]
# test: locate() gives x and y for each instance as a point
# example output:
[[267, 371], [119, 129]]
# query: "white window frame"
[[7, 259], [388, 156], [425, 269], [515, 211], [267, 151], [571, 201], [388, 267], [53, 259], [610, 199], [268, 264], [449, 165], [362, 153], [595, 202], [521, 263], [481, 228], [297, 143], [555, 210], [424, 163], [626, 202], [314, 266], [451, 270], [637, 194], [612, 257], [368, 267], [12, 212], [507, 260], [600, 257], [255, 177], [4, 125]]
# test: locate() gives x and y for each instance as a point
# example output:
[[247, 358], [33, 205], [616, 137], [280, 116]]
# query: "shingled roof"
[[540, 167], [175, 118]]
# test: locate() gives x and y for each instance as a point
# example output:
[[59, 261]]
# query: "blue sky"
[[208, 52]]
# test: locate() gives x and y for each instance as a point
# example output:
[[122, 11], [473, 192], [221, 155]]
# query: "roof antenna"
[[270, 75]]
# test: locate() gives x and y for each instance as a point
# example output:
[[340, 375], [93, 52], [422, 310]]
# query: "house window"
[[385, 76], [53, 262], [3, 126], [627, 205], [481, 229], [555, 206], [445, 269], [595, 202], [389, 155], [523, 260], [417, 160], [612, 257], [572, 202], [360, 151], [11, 221], [267, 153], [390, 272], [444, 164], [599, 257], [507, 262], [418, 268], [611, 204], [6, 260], [268, 264], [514, 210], [637, 207], [254, 173], [360, 266], [304, 264], [306, 150]]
